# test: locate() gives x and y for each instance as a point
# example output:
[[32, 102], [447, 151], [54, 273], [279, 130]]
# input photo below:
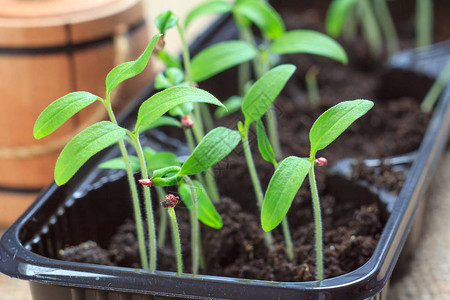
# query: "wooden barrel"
[[49, 48]]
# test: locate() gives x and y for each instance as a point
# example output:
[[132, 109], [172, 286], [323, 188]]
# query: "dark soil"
[[384, 176], [351, 229]]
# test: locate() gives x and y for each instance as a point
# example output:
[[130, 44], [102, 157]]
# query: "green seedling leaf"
[[167, 176], [161, 82], [130, 69], [118, 163], [207, 8], [264, 146], [310, 42], [162, 121], [160, 103], [263, 15], [232, 104], [334, 121], [264, 91], [165, 20], [161, 160], [169, 60], [83, 146], [337, 16], [60, 111], [207, 213], [219, 57], [174, 75], [214, 146], [283, 187]]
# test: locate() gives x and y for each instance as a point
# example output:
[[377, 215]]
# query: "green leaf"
[[130, 69], [207, 213], [160, 160], [166, 176], [214, 146], [263, 15], [311, 42], [161, 82], [219, 57], [83, 146], [337, 15], [160, 103], [169, 60], [165, 20], [264, 91], [59, 111], [334, 121], [210, 7], [118, 163], [174, 75], [162, 121], [264, 146], [283, 187], [232, 104]]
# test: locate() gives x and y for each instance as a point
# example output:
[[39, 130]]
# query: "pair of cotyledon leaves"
[[291, 172]]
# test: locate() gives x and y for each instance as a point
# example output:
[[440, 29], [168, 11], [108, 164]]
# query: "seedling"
[[215, 146], [105, 133], [204, 65], [291, 172], [277, 42]]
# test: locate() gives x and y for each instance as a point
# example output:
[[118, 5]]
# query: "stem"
[[370, 26], [288, 239], [317, 223], [207, 117], [176, 238], [312, 87], [148, 205], [211, 185], [436, 89], [134, 192], [351, 27], [162, 228], [424, 22], [255, 180], [194, 225], [387, 26]]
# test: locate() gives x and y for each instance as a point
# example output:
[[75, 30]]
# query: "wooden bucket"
[[49, 48]]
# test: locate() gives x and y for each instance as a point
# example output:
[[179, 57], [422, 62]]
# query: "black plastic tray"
[[66, 213]]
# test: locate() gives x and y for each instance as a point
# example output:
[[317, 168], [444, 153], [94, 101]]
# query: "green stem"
[[148, 205], [317, 223], [194, 225], [134, 192], [255, 180], [288, 239], [387, 25], [312, 87], [162, 228], [176, 238], [351, 27], [370, 26], [436, 89], [207, 117], [424, 22]]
